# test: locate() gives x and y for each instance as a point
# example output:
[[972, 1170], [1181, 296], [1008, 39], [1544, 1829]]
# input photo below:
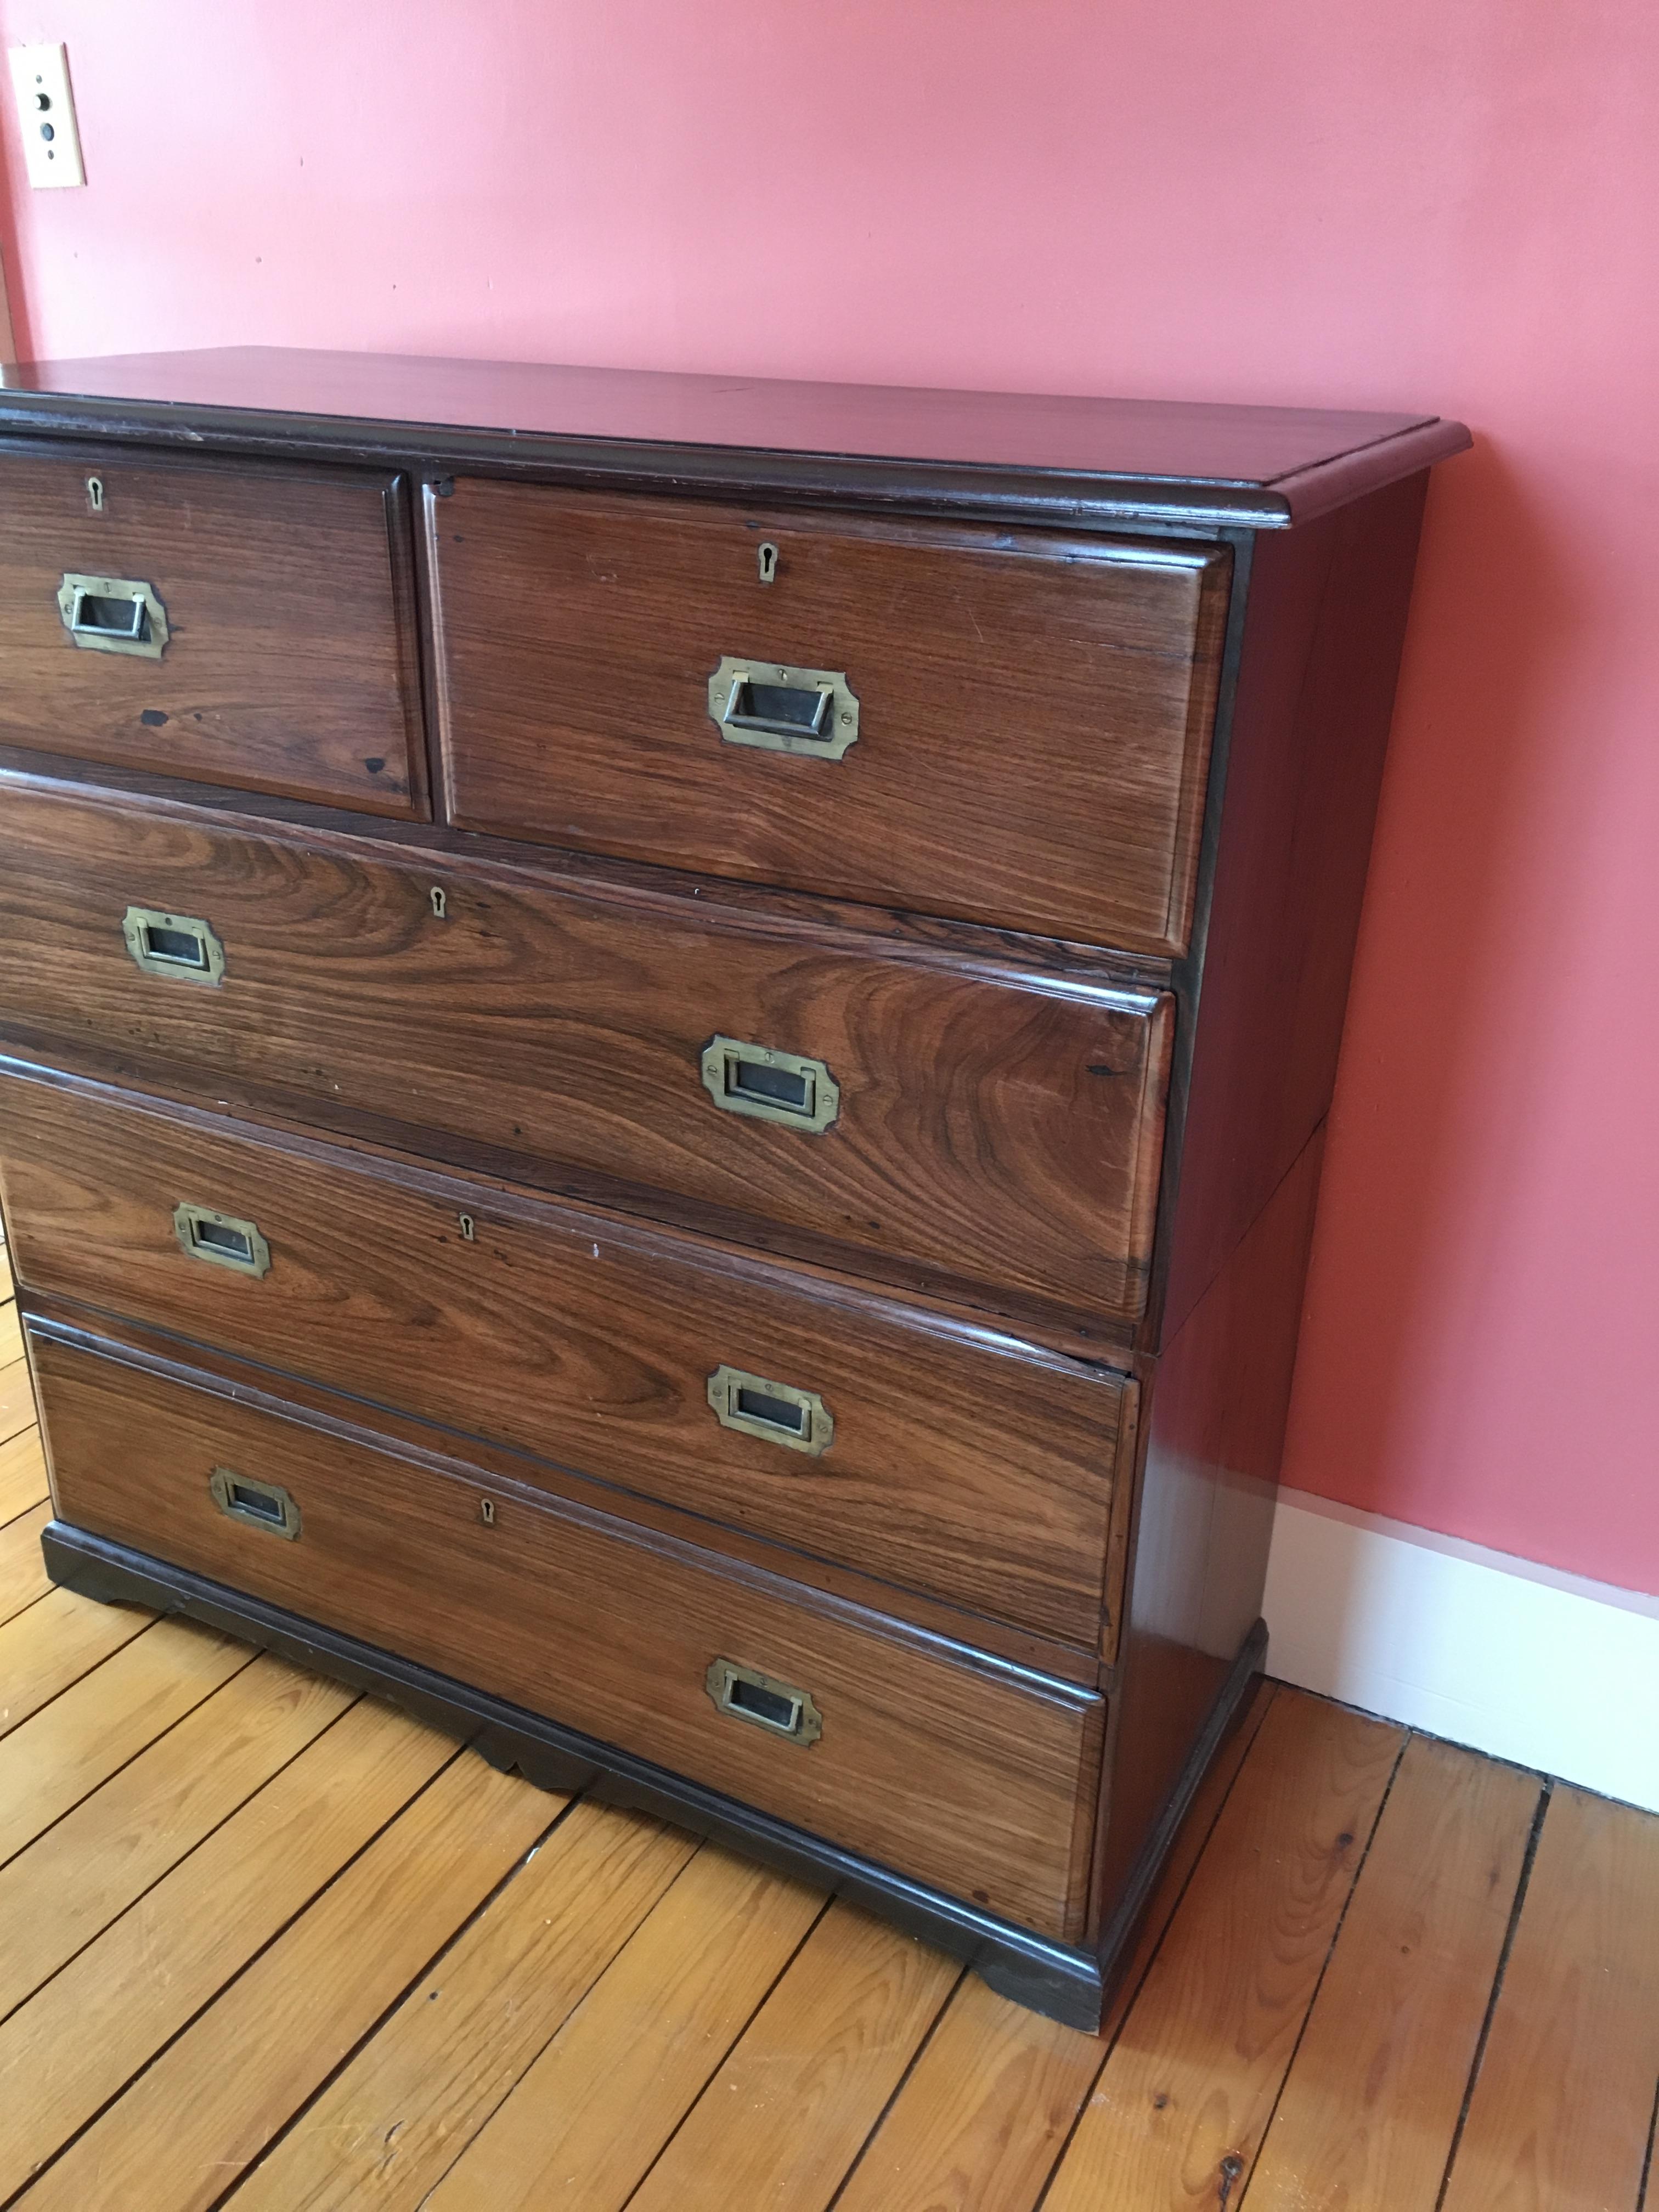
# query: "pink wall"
[[1305, 201]]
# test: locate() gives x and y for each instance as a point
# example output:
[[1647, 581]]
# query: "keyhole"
[[469, 1228], [768, 563], [487, 1511], [95, 494], [440, 903]]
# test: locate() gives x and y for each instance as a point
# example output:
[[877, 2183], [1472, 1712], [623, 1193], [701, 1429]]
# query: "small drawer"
[[228, 624], [1004, 726], [974, 1470], [965, 1772], [990, 1130]]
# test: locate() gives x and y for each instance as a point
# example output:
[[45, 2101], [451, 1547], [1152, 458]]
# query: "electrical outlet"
[[46, 109]]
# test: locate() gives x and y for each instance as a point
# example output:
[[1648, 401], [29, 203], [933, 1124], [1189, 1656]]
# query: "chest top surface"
[[1193, 462]]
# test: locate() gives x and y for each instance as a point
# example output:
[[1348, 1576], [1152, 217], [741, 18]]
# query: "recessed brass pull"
[[783, 710], [264, 1505], [779, 1707], [112, 614], [172, 945], [221, 1239], [799, 1419], [772, 1086]]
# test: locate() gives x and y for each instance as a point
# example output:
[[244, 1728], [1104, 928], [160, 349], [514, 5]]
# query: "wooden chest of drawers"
[[664, 1052]]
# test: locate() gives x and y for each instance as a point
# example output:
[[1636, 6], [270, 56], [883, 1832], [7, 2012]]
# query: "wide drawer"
[[959, 1770], [977, 1471], [1005, 727], [975, 1128], [234, 624]]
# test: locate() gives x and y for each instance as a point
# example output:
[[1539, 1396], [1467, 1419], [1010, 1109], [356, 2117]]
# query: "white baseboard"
[[1547, 1669]]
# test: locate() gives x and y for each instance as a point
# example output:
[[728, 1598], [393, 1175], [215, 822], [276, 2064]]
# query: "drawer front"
[[842, 1426], [1032, 713], [275, 644], [1003, 1135], [976, 1778]]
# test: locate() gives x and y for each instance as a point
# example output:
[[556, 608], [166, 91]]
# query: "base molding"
[[1523, 1662], [1067, 1984]]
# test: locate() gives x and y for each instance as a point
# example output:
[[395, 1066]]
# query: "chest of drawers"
[[663, 1047]]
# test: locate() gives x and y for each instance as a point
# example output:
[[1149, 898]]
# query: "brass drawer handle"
[[799, 1419], [222, 1238], [772, 1086], [783, 710], [264, 1505], [172, 945], [114, 614], [778, 1707]]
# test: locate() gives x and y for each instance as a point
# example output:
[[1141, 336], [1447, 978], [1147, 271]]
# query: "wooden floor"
[[266, 1943]]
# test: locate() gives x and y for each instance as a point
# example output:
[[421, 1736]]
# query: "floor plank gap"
[[1484, 2038]]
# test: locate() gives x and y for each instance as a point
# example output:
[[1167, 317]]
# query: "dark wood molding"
[[1075, 462]]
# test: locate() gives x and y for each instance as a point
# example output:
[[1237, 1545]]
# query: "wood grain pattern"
[[5, 1269], [1179, 2112], [978, 1780], [576, 636], [393, 2123], [83, 2037], [187, 2125], [1374, 2094], [64, 1754], [22, 1474], [1560, 2114], [54, 1644], [569, 1031], [291, 662], [82, 1873], [979, 1470], [403, 1432], [22, 1577], [11, 1336], [986, 2111], [644, 2040], [809, 2076]]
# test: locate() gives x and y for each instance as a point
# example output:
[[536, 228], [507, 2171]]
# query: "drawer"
[[274, 606], [971, 1127], [969, 1774], [1028, 716], [974, 1469]]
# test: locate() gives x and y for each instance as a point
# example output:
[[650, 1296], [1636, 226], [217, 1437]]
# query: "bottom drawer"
[[961, 1770]]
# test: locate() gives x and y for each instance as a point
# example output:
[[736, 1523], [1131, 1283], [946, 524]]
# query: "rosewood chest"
[[665, 1045]]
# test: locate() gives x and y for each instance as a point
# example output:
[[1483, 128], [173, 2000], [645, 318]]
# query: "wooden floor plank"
[[11, 1335], [393, 2123], [643, 2042], [22, 1569], [7, 1286], [185, 2128], [16, 1399], [79, 2041], [1178, 2113], [1559, 2115], [22, 1474], [784, 2118], [53, 1642], [64, 1753], [77, 1878], [1366, 2120], [980, 2123]]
